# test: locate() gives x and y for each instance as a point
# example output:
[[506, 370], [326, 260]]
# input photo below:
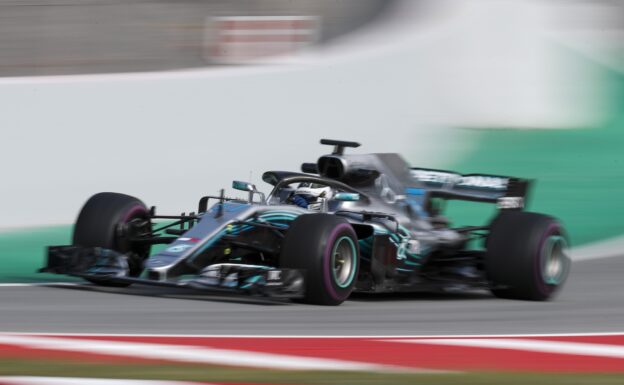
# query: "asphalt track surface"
[[592, 301]]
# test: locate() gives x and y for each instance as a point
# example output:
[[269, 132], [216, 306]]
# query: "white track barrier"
[[170, 137]]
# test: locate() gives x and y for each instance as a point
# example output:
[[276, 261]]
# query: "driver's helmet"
[[308, 195]]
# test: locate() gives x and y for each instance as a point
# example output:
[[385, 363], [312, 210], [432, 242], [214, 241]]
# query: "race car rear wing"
[[507, 192]]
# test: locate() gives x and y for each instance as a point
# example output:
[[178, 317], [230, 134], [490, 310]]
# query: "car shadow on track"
[[422, 296], [174, 293], [198, 295]]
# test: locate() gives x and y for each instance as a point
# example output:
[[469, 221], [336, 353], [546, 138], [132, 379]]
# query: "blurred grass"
[[194, 372], [22, 252], [578, 172]]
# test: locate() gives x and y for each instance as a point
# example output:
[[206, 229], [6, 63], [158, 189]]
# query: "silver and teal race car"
[[349, 222]]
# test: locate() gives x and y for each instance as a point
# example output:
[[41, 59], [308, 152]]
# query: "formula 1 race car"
[[368, 223]]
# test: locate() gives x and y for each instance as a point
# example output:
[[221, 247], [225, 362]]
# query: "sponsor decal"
[[453, 179], [228, 207], [189, 239], [274, 275], [481, 181], [507, 203], [178, 248], [440, 177]]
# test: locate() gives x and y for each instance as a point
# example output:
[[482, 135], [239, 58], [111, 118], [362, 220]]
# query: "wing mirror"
[[347, 197], [243, 186], [249, 187]]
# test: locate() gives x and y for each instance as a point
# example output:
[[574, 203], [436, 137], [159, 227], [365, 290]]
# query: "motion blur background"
[[170, 100]]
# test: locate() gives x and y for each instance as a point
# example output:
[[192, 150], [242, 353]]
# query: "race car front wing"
[[108, 266]]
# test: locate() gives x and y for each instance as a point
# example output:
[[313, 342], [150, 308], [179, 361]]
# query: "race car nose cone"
[[159, 261]]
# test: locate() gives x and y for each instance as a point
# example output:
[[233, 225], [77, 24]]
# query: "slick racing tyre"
[[326, 248], [99, 224], [526, 256]]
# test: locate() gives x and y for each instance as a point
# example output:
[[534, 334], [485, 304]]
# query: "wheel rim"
[[133, 224], [555, 261], [344, 261]]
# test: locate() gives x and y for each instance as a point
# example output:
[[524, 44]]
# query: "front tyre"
[[99, 224], [326, 248], [526, 256]]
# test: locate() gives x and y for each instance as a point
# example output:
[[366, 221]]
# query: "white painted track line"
[[194, 354], [557, 347]]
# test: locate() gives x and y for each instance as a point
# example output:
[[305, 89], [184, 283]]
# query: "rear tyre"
[[99, 224], [526, 256], [326, 248]]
